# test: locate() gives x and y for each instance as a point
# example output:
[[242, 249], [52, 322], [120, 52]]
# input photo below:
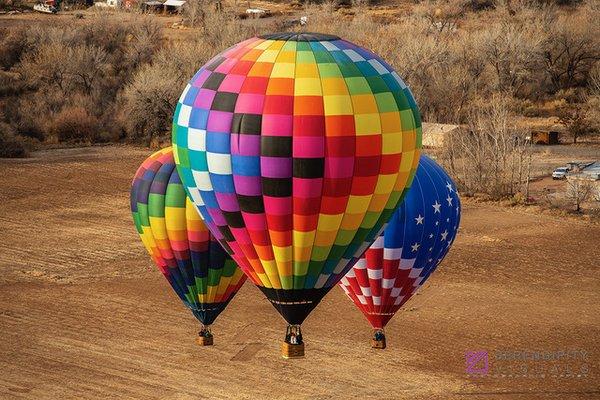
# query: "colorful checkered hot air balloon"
[[202, 274], [415, 241], [296, 148]]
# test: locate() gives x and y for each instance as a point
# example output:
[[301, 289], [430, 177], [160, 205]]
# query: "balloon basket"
[[289, 350], [204, 341], [378, 343]]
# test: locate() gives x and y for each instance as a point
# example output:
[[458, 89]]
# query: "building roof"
[[174, 3]]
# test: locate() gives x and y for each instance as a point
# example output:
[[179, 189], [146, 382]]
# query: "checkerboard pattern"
[[415, 241], [296, 149], [202, 274]]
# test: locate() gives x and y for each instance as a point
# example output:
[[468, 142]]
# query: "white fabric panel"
[[378, 243], [398, 300], [185, 92], [329, 46], [202, 179], [395, 292], [378, 66], [362, 299], [341, 265], [414, 273], [321, 281], [361, 264], [184, 115], [353, 55], [377, 300], [399, 80], [196, 139], [388, 283], [196, 198], [407, 263], [366, 291], [350, 274], [219, 163], [375, 273], [392, 254]]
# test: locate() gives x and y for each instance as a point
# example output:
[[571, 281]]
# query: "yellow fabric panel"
[[390, 122], [334, 86], [283, 70], [264, 45], [367, 124], [159, 230], [307, 87], [326, 238], [385, 184], [352, 221], [365, 104], [282, 254], [307, 71], [391, 143], [338, 105], [286, 57]]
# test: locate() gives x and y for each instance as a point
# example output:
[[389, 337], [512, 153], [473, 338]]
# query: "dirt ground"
[[84, 313]]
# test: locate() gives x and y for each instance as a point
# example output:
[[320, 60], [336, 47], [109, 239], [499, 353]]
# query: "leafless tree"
[[579, 191]]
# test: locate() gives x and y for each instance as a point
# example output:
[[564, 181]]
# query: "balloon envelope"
[[202, 274], [296, 149], [414, 242]]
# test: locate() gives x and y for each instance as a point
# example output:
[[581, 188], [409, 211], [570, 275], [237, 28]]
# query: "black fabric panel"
[[251, 204], [234, 219], [224, 101], [214, 81], [300, 37], [249, 124], [207, 313], [277, 187], [276, 146], [213, 65], [294, 305], [227, 235], [309, 168]]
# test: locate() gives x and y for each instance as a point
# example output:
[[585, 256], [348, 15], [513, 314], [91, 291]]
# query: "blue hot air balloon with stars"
[[415, 241]]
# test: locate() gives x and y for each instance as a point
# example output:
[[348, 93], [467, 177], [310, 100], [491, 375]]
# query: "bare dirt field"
[[84, 313]]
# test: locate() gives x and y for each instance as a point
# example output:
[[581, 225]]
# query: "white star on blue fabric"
[[449, 200], [419, 219], [415, 247], [449, 186], [445, 234], [436, 207]]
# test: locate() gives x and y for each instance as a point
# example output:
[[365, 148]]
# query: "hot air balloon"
[[415, 241], [201, 273], [296, 148]]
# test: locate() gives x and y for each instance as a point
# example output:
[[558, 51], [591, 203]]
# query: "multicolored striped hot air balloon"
[[296, 148], [202, 274], [413, 244]]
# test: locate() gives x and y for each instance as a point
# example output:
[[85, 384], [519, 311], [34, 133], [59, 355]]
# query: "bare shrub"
[[571, 49], [491, 156], [579, 191], [576, 119], [11, 145], [74, 124], [149, 101]]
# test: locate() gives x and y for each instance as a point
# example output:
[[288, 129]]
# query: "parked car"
[[560, 173]]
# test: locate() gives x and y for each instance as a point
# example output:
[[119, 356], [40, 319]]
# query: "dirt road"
[[84, 314]]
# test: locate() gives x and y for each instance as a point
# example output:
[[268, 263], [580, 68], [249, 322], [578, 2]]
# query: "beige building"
[[435, 134]]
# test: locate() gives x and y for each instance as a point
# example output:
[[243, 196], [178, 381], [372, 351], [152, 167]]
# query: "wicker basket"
[[205, 341], [378, 344], [292, 350]]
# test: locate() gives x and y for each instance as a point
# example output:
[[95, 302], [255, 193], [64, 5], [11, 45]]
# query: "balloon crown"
[[300, 36]]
